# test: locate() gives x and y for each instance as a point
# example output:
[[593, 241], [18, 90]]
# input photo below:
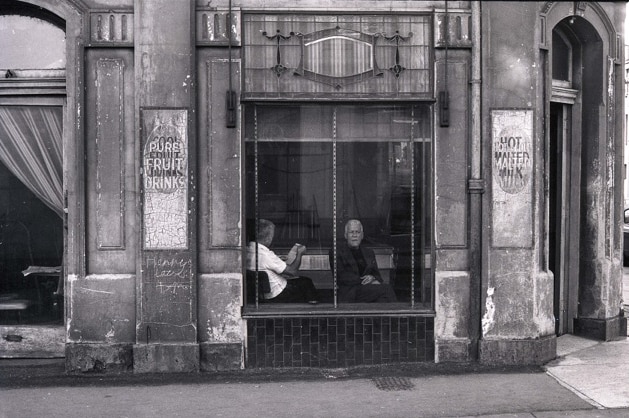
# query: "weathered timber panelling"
[[110, 169], [224, 170], [110, 153], [213, 27], [111, 27], [451, 169]]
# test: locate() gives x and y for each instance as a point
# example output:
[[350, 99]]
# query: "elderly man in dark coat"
[[358, 277]]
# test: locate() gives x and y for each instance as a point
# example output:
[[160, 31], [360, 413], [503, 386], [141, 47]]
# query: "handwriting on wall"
[[170, 274], [165, 178], [168, 296], [173, 267]]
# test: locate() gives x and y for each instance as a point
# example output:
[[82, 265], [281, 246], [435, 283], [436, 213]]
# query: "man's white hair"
[[352, 222]]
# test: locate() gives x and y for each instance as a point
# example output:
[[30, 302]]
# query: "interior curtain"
[[30, 147]]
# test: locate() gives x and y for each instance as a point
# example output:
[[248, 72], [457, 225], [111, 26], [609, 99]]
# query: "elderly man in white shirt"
[[286, 286]]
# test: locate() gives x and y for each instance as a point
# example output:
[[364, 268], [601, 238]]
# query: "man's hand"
[[300, 248], [369, 279]]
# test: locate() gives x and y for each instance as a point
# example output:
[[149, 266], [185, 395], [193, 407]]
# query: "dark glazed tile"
[[395, 325], [368, 351], [377, 325], [269, 326], [288, 326], [368, 333], [278, 334]]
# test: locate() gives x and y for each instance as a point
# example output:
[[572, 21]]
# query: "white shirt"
[[270, 263]]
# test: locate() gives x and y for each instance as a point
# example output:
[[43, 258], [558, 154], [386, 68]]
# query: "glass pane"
[[31, 234], [28, 43], [373, 123], [374, 185], [294, 191], [289, 123], [561, 57], [378, 171]]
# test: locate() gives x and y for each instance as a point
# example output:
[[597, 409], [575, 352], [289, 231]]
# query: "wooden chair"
[[10, 302]]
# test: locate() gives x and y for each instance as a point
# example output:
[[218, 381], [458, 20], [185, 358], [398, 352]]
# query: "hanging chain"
[[412, 153], [256, 208], [334, 209]]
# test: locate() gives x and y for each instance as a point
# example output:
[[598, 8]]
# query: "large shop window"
[[32, 100], [311, 168]]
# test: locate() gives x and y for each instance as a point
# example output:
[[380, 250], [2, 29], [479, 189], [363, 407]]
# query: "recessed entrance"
[[576, 177]]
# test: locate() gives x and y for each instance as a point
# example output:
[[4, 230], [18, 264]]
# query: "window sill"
[[266, 310]]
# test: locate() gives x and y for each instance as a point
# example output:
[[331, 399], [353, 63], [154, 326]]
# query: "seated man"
[[358, 276], [285, 285]]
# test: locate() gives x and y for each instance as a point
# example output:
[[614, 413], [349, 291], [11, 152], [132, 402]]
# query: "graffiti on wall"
[[165, 178], [168, 309]]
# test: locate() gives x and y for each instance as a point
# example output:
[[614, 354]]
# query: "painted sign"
[[165, 178], [512, 158], [512, 171]]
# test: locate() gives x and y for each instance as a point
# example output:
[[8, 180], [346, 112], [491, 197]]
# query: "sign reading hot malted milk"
[[165, 178], [512, 157]]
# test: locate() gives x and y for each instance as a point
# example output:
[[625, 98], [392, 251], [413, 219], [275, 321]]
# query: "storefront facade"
[[479, 144]]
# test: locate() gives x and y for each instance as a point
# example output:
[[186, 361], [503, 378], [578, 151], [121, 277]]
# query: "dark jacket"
[[347, 274]]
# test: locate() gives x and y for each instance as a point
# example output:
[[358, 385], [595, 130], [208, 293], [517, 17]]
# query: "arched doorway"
[[32, 103], [580, 206]]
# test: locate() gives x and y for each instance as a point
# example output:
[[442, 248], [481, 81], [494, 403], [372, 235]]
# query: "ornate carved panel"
[[320, 52], [453, 28], [213, 27], [348, 56], [111, 28]]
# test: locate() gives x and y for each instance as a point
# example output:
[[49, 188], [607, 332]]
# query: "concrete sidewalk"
[[596, 371], [588, 379]]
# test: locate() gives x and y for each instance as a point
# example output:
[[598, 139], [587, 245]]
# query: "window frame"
[[425, 273]]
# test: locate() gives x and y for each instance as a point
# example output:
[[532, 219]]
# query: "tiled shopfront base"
[[338, 342]]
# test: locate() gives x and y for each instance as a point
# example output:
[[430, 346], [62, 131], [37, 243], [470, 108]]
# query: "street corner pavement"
[[596, 371]]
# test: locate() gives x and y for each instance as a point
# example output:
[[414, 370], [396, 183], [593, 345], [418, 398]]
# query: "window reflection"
[[312, 166]]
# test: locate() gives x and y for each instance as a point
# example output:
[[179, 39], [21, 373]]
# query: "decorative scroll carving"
[[278, 69], [338, 56], [579, 7], [397, 68]]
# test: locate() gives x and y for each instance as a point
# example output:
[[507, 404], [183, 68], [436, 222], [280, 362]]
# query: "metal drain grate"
[[393, 383]]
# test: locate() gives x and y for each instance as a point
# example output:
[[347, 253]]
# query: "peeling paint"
[[110, 334], [490, 310]]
